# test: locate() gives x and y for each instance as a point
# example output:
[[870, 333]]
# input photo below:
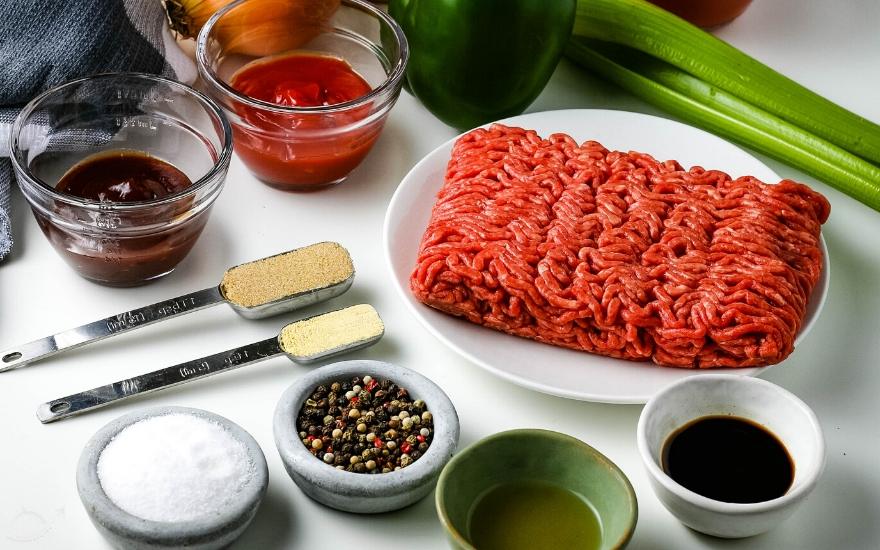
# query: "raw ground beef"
[[619, 254]]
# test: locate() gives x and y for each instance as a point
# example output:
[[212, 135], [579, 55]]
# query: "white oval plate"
[[542, 367]]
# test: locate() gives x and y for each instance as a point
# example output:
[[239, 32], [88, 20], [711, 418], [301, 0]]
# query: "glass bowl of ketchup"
[[306, 87], [121, 171]]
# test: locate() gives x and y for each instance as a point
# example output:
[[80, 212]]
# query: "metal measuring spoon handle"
[[283, 265], [158, 380], [22, 355], [304, 341]]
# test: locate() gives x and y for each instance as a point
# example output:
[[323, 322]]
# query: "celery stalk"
[[724, 114], [642, 26]]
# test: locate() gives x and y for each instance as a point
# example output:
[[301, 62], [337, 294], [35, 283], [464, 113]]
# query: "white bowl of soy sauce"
[[728, 455]]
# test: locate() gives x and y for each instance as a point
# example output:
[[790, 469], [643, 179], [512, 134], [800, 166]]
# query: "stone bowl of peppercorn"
[[365, 436]]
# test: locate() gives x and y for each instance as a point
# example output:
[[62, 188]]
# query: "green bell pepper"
[[475, 61]]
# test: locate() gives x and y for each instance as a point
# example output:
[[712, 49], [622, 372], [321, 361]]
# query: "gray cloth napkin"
[[46, 42]]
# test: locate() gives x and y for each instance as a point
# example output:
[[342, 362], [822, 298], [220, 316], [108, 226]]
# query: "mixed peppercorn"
[[364, 425]]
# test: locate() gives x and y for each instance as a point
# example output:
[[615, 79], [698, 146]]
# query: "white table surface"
[[832, 47]]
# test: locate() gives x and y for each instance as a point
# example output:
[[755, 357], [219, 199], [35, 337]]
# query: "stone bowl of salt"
[[172, 477]]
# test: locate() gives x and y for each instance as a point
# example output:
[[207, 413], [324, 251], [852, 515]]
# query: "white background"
[[832, 47]]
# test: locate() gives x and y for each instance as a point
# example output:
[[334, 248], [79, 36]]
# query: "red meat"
[[619, 254]]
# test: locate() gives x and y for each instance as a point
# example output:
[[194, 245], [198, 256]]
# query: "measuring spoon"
[[305, 341], [288, 266]]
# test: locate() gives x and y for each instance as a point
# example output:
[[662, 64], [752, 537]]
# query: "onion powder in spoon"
[[174, 467]]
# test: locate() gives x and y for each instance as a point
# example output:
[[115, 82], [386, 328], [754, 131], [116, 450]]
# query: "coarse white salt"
[[174, 467]]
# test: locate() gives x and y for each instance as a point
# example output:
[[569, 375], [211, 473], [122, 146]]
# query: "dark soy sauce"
[[730, 459]]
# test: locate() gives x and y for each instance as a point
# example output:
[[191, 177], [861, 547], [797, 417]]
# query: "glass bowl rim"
[[220, 165], [391, 80]]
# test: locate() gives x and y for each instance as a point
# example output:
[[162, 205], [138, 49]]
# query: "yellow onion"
[[256, 27]]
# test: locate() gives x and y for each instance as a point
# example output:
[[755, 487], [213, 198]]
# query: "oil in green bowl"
[[533, 515]]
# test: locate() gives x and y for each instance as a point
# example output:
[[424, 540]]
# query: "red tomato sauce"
[[301, 150], [300, 80]]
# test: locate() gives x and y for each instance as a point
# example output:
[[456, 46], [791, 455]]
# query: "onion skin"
[[187, 17], [256, 27]]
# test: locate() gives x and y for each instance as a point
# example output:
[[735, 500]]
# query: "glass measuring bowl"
[[115, 243], [303, 148]]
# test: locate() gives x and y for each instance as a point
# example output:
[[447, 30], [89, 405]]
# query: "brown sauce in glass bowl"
[[125, 258], [123, 176]]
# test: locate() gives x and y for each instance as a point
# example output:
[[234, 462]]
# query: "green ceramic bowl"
[[536, 455]]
